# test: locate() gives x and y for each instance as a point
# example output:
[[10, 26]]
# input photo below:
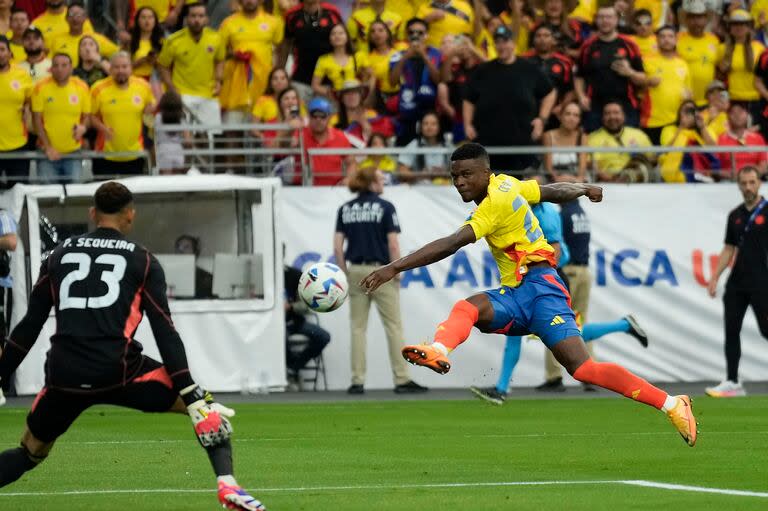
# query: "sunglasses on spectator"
[[319, 115], [416, 32]]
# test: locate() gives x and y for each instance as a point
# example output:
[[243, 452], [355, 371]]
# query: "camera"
[[689, 111]]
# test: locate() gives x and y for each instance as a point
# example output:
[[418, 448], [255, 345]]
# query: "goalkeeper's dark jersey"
[[100, 284]]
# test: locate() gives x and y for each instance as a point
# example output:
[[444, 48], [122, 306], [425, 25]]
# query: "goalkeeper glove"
[[209, 418]]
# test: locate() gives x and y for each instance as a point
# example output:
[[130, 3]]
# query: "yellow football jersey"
[[15, 91], [660, 103], [122, 110], [360, 21], [54, 25], [505, 220], [461, 23], [192, 61], [62, 109], [741, 79], [70, 44], [327, 67], [701, 55]]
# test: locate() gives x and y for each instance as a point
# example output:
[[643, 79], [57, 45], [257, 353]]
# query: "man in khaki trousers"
[[369, 226]]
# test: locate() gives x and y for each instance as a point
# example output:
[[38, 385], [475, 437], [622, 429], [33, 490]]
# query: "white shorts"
[[205, 110], [236, 116]]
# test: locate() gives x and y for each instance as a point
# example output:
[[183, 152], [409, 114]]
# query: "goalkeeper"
[[101, 284]]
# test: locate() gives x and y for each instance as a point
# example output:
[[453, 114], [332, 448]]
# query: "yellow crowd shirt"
[[54, 25], [361, 20], [741, 80], [62, 108], [512, 231], [759, 8], [327, 67], [717, 125], [144, 70], [585, 11], [700, 53], [193, 61], [660, 103], [122, 110], [258, 36], [17, 50], [647, 45], [380, 67], [161, 7], [70, 44], [450, 24], [613, 163], [670, 163], [15, 91]]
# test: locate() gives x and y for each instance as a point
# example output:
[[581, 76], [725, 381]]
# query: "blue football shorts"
[[540, 305]]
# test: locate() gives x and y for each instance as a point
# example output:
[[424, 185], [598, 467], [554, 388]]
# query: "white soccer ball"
[[323, 287]]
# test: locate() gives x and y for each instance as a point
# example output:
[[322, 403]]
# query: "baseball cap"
[[32, 30], [695, 6], [319, 105], [739, 16], [715, 85], [503, 32]]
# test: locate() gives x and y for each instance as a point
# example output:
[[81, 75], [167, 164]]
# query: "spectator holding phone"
[[146, 42], [690, 130]]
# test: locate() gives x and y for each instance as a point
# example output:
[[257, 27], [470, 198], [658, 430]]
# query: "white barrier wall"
[[652, 251]]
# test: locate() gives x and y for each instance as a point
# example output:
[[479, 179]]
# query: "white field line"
[[351, 436], [300, 489]]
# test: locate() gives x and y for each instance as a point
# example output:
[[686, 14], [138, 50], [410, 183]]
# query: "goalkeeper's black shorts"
[[55, 410]]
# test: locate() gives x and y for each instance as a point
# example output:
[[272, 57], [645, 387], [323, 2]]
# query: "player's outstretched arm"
[[25, 334], [566, 192], [430, 253]]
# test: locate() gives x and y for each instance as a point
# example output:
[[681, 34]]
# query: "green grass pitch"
[[415, 455]]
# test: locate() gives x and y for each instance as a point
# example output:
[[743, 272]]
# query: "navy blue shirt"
[[576, 231], [365, 221]]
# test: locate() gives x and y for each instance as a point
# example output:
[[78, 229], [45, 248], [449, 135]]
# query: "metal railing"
[[86, 156]]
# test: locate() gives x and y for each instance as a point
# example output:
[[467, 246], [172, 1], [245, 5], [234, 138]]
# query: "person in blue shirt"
[[551, 223]]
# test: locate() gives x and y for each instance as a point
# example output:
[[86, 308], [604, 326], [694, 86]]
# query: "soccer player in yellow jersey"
[[669, 84], [532, 298], [192, 63], [69, 42], [118, 105], [61, 105], [15, 91], [250, 37], [447, 17], [53, 22], [360, 21], [698, 48]]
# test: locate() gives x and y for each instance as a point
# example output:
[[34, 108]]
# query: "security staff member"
[[746, 240], [369, 225]]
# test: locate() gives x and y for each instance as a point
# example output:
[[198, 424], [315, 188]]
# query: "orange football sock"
[[616, 378], [455, 330]]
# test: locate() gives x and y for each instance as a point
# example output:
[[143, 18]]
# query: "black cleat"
[[356, 389], [410, 387], [490, 394], [636, 331], [555, 385]]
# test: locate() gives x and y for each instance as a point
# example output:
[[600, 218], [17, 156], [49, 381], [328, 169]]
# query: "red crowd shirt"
[[326, 168], [740, 160]]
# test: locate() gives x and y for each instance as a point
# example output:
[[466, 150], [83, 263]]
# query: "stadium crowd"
[[379, 73]]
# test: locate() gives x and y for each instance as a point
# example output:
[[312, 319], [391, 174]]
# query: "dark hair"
[[683, 106], [16, 10], [747, 168], [270, 91], [62, 54], [192, 239], [470, 151], [191, 6], [377, 135], [4, 40], [390, 42], [414, 21], [76, 3], [155, 38], [741, 104], [171, 108], [641, 12], [614, 101], [279, 98], [80, 44], [347, 47], [112, 197], [540, 26], [666, 27]]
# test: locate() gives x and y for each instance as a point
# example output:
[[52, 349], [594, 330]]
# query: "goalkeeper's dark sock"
[[221, 458], [14, 463]]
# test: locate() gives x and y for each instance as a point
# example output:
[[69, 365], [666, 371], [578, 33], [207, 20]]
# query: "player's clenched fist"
[[376, 278], [594, 193], [208, 417]]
